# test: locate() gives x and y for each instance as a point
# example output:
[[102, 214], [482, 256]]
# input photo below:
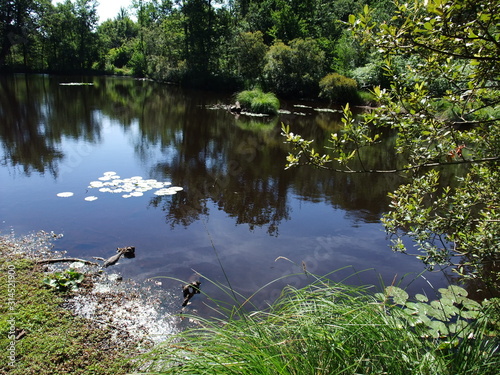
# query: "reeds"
[[325, 328], [257, 101]]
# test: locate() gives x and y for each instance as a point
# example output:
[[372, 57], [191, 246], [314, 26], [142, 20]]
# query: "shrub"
[[259, 102], [294, 70], [338, 88]]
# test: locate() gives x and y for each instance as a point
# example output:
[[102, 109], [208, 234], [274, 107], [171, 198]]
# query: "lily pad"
[[65, 194], [134, 186], [398, 295], [421, 298]]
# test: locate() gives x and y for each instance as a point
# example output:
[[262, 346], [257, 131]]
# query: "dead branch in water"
[[62, 260]]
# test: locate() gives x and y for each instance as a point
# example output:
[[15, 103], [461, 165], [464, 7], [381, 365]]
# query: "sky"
[[107, 8], [110, 8]]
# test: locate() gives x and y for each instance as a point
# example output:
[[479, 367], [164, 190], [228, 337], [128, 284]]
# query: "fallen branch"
[[62, 260]]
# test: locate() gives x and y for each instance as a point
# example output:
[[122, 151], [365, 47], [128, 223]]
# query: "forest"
[[283, 46]]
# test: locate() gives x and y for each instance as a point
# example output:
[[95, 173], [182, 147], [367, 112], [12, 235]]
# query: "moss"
[[50, 340]]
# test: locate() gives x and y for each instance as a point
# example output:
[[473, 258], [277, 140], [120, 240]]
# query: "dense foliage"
[[285, 46], [442, 105]]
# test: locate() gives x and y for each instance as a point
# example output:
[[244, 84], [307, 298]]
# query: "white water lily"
[[65, 194]]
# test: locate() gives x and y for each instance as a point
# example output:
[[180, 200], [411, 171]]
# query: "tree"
[[250, 52], [295, 68], [116, 38], [444, 109], [20, 22], [86, 32], [199, 21], [61, 47]]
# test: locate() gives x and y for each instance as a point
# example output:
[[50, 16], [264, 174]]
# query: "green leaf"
[[399, 295], [421, 298]]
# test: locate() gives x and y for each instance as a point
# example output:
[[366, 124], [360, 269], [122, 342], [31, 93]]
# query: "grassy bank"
[[38, 336], [325, 328], [334, 329]]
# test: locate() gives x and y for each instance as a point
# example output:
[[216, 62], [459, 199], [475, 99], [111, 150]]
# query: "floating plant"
[[76, 84], [65, 194], [134, 186]]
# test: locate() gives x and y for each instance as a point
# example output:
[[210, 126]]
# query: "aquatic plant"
[[134, 186], [332, 328], [257, 101], [65, 194]]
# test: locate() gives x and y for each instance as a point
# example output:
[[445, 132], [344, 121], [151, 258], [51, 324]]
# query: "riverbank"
[[100, 328], [109, 327]]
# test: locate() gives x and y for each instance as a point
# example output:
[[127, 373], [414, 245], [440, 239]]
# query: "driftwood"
[[62, 260], [127, 252], [189, 290]]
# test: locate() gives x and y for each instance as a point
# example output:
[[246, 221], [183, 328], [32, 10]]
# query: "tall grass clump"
[[257, 101], [329, 328]]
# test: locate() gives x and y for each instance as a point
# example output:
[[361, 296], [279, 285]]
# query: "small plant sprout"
[[66, 281]]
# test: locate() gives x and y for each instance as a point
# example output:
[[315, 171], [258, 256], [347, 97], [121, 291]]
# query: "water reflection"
[[231, 169], [238, 167]]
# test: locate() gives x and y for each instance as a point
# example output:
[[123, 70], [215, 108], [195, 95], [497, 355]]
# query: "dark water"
[[237, 195]]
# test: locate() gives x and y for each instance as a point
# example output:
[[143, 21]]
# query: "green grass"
[[257, 101], [327, 328], [54, 341]]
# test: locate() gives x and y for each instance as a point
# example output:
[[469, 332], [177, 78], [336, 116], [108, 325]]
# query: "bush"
[[338, 88], [259, 102], [294, 70]]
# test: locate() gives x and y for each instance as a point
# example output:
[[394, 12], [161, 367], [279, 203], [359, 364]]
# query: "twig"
[[62, 260]]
